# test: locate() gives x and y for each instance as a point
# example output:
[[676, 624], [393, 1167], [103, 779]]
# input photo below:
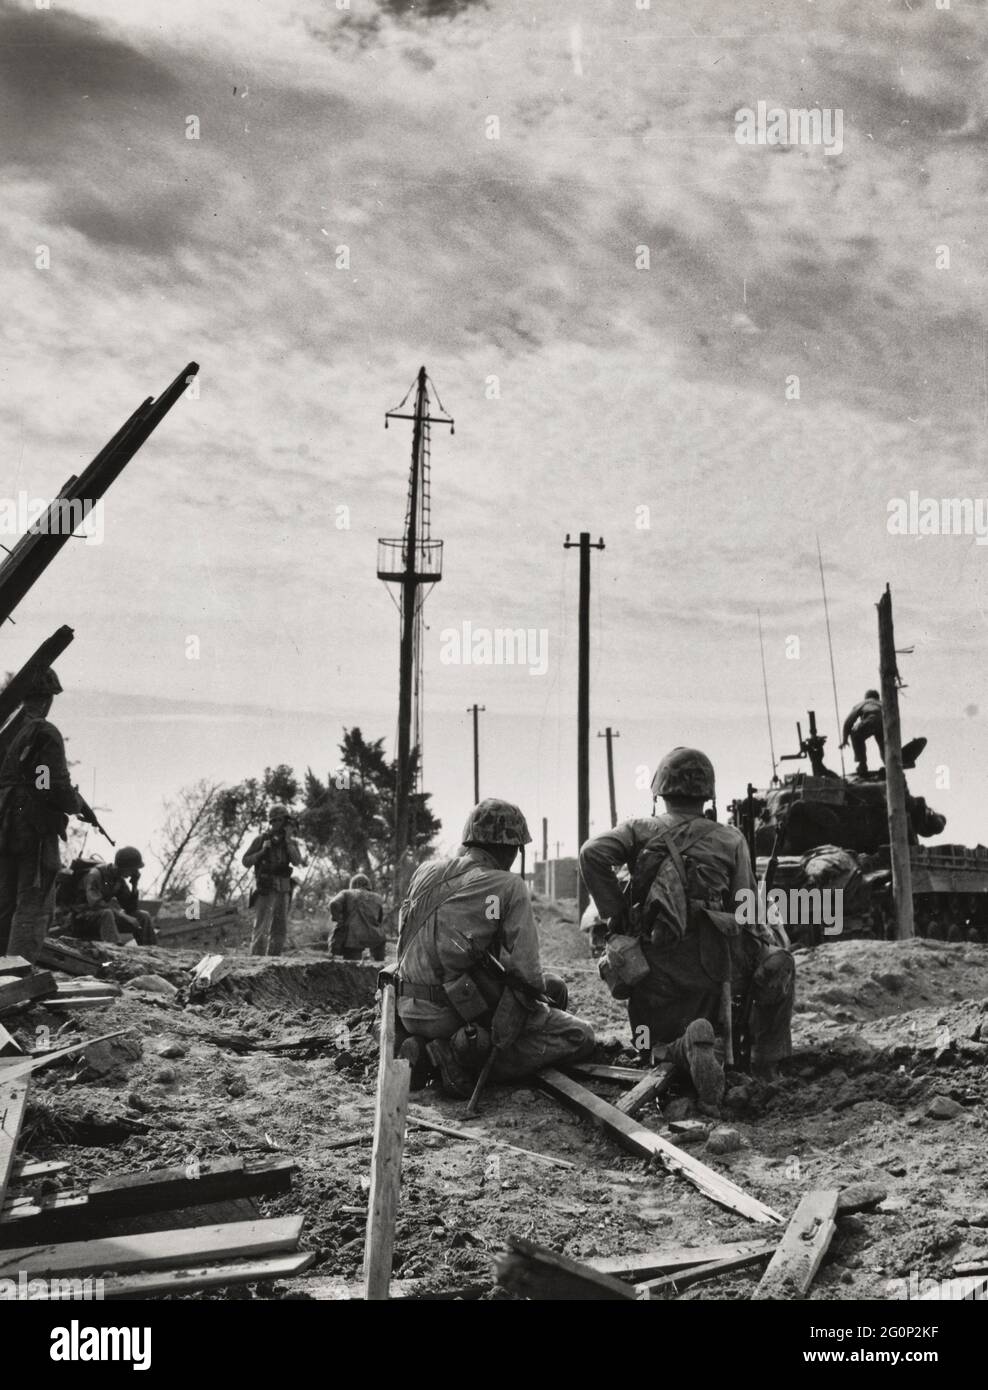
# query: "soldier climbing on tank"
[[865, 722], [681, 909], [469, 976]]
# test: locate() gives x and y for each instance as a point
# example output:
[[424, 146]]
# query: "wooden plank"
[[416, 1122], [209, 972], [657, 1288], [655, 1262], [17, 993], [14, 965], [27, 1170], [649, 1144], [977, 1265], [13, 1104], [535, 1272], [9, 1046], [56, 954], [801, 1249], [651, 1086], [596, 1071], [393, 1079], [23, 1066], [83, 1001], [216, 1276], [83, 988], [156, 1249]]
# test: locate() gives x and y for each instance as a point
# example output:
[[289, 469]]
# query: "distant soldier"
[[687, 873], [36, 800], [272, 855], [359, 916], [469, 976], [107, 904], [865, 722]]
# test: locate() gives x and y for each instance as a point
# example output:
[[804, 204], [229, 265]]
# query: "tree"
[[184, 853]]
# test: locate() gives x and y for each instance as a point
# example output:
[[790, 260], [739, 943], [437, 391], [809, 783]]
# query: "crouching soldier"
[[679, 947], [469, 977], [359, 917], [106, 905]]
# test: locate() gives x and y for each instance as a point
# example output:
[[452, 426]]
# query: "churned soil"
[[888, 1084]]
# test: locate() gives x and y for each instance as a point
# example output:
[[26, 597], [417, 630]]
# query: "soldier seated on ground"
[[676, 938], [359, 917], [469, 976], [106, 903]]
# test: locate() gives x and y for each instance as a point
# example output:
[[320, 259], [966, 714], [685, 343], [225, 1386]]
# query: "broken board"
[[651, 1145], [215, 1276], [533, 1271], [15, 993], [801, 1250]]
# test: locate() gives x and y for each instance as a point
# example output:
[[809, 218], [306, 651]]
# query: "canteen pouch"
[[466, 999], [622, 965]]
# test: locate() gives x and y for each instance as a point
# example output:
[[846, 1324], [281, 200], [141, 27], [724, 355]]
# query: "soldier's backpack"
[[68, 885], [668, 886]]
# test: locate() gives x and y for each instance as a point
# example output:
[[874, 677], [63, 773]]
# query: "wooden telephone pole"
[[583, 706], [611, 735], [895, 777], [477, 709]]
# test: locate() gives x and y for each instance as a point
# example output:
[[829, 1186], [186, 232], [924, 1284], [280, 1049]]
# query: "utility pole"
[[583, 705], [895, 777], [545, 839], [476, 750], [411, 561], [611, 736]]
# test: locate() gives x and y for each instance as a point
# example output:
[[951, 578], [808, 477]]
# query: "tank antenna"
[[768, 712], [830, 646]]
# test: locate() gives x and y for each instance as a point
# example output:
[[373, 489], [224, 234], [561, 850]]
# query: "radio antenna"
[[830, 647], [768, 712]]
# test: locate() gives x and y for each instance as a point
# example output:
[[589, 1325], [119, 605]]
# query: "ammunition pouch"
[[622, 965], [464, 996]]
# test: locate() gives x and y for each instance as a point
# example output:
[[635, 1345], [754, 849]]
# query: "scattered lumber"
[[657, 1288], [9, 1046], [13, 1104], [595, 1071], [87, 989], [15, 993], [650, 1087], [533, 1271], [156, 1249], [27, 1170], [14, 965], [393, 1080], [57, 954], [219, 1180], [416, 1122], [214, 1276], [801, 1250], [649, 1144], [23, 1066], [69, 999], [677, 1257]]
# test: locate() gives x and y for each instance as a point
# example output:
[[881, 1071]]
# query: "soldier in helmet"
[[359, 916], [36, 800], [683, 868], [272, 855], [865, 722], [469, 974], [107, 907]]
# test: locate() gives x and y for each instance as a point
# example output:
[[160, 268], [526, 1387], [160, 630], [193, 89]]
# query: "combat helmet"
[[496, 822], [684, 772], [359, 881], [42, 684], [128, 858]]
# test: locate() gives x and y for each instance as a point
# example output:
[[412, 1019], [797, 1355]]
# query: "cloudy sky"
[[647, 405]]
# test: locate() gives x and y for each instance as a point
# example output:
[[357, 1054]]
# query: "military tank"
[[818, 829]]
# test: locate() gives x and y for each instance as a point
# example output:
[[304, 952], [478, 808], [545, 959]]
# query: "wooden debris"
[[56, 954], [596, 1071], [393, 1080], [27, 1170], [535, 1272], [801, 1249], [15, 993], [23, 1066], [156, 1249], [979, 1265], [87, 989], [9, 1046], [209, 972], [13, 1103], [656, 1288], [14, 965], [677, 1257], [215, 1276], [649, 1144], [650, 1087], [416, 1122], [72, 1003]]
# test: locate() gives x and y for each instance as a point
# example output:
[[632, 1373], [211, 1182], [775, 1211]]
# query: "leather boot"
[[455, 1079], [695, 1051]]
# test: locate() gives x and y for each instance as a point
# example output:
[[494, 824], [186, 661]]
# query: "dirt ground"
[[884, 1034]]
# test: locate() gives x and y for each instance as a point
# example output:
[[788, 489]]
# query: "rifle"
[[87, 814], [488, 962]]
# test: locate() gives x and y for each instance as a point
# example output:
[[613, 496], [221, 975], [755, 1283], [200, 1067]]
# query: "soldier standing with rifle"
[[36, 799], [272, 856]]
